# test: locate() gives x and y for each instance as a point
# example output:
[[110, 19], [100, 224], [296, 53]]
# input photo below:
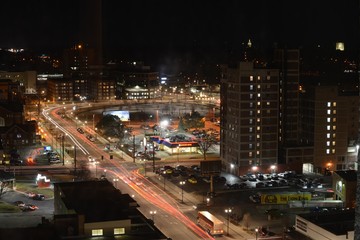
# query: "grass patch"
[[8, 208], [31, 187]]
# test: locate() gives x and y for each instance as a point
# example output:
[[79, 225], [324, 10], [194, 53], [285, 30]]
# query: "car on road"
[[91, 159], [80, 130]]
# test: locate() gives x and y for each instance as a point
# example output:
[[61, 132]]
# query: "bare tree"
[[205, 143]]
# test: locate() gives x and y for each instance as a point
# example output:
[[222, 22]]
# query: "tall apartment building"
[[249, 117]]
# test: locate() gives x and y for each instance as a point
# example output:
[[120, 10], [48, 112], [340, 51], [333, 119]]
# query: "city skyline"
[[146, 29]]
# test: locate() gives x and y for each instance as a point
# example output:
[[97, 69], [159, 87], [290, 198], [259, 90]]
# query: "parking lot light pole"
[[228, 211], [256, 233], [182, 183]]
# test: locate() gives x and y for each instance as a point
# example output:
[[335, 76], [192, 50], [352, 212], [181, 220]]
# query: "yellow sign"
[[283, 198]]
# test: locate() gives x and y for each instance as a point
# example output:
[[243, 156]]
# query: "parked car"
[[192, 180], [39, 196], [19, 203], [29, 207]]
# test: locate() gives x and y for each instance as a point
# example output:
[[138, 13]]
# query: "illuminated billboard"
[[123, 115]]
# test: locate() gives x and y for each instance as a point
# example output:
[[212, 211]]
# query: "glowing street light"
[[228, 212], [182, 183], [115, 180], [256, 233], [152, 213]]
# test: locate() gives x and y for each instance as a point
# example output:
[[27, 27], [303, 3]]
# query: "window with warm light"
[[118, 231], [96, 232], [334, 104]]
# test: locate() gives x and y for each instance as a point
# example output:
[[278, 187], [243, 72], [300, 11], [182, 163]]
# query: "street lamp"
[[95, 163], [228, 212], [256, 233], [75, 159], [207, 201], [152, 213], [178, 155], [164, 178], [182, 183], [115, 180]]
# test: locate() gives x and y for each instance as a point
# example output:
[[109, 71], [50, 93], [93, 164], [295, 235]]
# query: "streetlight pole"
[[63, 149], [228, 211], [182, 183], [133, 148], [75, 159], [178, 155], [115, 180], [153, 156], [164, 178], [152, 213], [256, 233]]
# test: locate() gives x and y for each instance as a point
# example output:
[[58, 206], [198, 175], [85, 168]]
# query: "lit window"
[[333, 143], [328, 120], [251, 78], [119, 231], [258, 103], [251, 95], [250, 154], [268, 103], [334, 135], [334, 104], [251, 104], [259, 95], [250, 146], [333, 151], [258, 111], [328, 111], [257, 152], [334, 111], [334, 128], [327, 151], [329, 104], [258, 128], [251, 87], [258, 119], [258, 78], [328, 127], [250, 121], [250, 129], [328, 135], [328, 143], [334, 119], [257, 136], [96, 232], [258, 86]]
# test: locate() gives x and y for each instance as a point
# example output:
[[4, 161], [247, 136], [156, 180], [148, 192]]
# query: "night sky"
[[157, 26]]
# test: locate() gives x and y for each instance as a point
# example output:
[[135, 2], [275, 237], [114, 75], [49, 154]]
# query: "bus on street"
[[210, 223]]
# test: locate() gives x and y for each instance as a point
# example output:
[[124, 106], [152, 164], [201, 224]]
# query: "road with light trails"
[[169, 218]]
